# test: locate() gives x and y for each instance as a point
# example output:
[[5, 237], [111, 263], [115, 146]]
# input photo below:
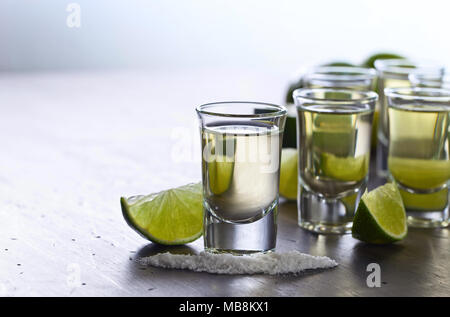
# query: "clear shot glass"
[[241, 150], [418, 161], [333, 137], [424, 80], [338, 77], [394, 73]]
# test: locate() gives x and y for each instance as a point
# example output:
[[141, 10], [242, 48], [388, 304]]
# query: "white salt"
[[266, 263]]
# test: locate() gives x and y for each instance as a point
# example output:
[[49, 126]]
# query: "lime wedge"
[[425, 202], [289, 173], [419, 173], [170, 217], [380, 217], [345, 168], [220, 173]]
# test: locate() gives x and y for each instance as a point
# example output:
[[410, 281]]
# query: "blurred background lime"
[[288, 174], [370, 61]]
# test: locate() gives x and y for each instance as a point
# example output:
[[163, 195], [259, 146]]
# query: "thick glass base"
[[428, 218], [240, 238], [326, 215], [324, 228]]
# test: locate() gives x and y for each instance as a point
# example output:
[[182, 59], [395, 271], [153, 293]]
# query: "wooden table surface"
[[73, 143]]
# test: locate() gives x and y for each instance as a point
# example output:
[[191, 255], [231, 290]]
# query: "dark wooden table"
[[72, 144]]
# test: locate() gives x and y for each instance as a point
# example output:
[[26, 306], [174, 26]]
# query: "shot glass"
[[333, 134], [353, 78], [424, 80], [394, 73], [338, 77], [419, 121], [241, 150]]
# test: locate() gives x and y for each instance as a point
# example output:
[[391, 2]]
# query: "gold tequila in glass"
[[394, 73], [336, 77], [241, 148], [342, 77], [334, 134], [419, 152]]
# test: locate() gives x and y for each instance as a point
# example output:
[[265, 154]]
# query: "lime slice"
[[170, 217], [419, 173], [289, 174], [345, 168], [380, 217], [220, 173], [427, 174], [425, 202]]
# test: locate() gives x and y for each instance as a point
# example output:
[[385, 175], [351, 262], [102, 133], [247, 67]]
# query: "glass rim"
[[278, 110], [424, 94], [368, 95], [348, 73], [429, 79], [400, 66]]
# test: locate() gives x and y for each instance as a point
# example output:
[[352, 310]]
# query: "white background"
[[176, 34]]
